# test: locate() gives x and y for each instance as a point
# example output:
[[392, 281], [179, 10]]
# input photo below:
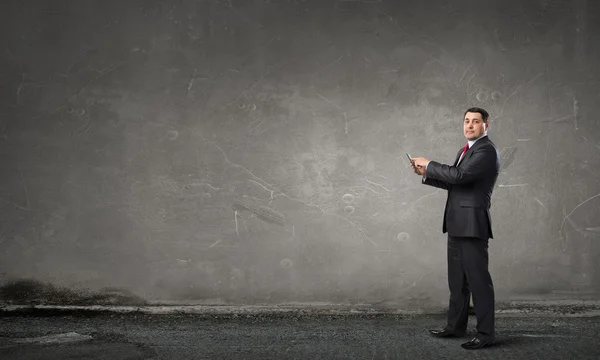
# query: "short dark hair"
[[484, 114]]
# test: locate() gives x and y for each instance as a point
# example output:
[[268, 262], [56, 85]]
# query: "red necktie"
[[464, 152], [466, 149]]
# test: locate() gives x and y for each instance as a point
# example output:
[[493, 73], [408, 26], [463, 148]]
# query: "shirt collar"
[[471, 142]]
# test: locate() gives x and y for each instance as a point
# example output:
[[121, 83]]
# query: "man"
[[470, 182]]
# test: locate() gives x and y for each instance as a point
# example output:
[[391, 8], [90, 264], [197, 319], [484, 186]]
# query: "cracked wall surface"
[[254, 151]]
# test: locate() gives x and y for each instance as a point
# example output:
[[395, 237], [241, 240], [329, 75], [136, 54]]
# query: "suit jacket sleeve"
[[436, 183], [481, 163]]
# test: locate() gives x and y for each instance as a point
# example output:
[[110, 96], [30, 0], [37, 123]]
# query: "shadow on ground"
[[34, 292]]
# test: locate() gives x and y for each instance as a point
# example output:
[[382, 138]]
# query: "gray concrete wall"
[[253, 151]]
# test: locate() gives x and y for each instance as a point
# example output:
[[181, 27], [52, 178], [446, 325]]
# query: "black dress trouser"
[[468, 274]]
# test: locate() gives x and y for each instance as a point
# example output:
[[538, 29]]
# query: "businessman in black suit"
[[470, 182]]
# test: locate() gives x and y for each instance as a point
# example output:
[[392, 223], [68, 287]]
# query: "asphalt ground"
[[285, 335]]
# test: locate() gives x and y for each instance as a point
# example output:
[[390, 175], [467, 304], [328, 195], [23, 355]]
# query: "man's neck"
[[471, 142]]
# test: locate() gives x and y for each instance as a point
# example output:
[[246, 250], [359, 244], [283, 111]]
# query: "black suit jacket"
[[470, 186]]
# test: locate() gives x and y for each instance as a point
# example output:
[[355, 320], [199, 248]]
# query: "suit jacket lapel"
[[477, 143], [458, 157]]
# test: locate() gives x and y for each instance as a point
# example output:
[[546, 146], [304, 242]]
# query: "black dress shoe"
[[445, 333], [476, 343]]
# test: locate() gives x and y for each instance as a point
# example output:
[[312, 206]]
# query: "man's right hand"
[[419, 170]]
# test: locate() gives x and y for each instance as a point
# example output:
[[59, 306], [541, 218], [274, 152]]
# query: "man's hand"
[[420, 162], [418, 170], [419, 165]]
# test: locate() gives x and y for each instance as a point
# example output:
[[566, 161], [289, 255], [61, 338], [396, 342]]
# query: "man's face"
[[474, 127]]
